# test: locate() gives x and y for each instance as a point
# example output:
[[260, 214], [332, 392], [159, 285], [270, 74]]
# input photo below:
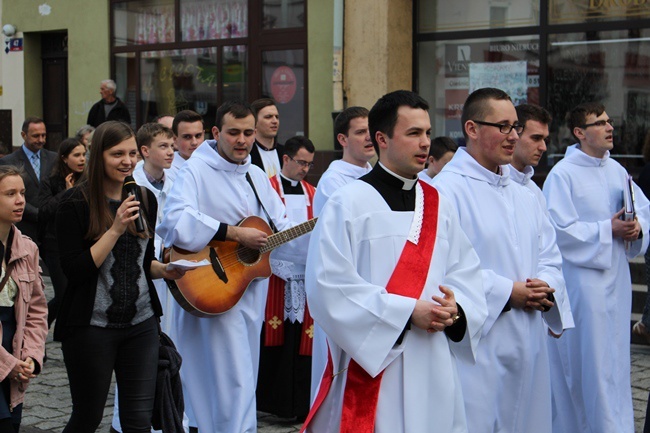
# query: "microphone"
[[131, 188]]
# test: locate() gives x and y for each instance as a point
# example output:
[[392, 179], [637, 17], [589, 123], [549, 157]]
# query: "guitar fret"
[[277, 239]]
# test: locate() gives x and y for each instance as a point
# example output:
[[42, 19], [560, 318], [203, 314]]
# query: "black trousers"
[[91, 354]]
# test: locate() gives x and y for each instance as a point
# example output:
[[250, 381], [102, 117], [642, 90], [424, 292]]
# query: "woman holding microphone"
[[108, 320]]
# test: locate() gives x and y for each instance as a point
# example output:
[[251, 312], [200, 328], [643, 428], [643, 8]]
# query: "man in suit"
[[37, 164]]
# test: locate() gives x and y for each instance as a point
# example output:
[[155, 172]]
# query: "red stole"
[[274, 313], [362, 390]]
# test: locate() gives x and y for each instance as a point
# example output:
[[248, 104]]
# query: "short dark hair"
[[526, 112], [578, 115], [294, 144], [442, 145], [476, 104], [383, 115], [237, 108], [258, 104], [342, 121], [29, 121], [188, 116], [148, 132]]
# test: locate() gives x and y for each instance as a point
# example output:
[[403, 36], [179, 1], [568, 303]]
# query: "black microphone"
[[131, 188]]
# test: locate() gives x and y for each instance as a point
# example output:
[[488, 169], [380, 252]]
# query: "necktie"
[[36, 164]]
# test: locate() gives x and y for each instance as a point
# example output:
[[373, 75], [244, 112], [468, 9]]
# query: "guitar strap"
[[268, 217]]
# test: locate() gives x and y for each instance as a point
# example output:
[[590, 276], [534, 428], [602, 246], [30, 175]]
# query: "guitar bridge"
[[217, 267]]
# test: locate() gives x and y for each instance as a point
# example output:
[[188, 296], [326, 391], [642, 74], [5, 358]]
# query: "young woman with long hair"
[[108, 319], [23, 308], [71, 162]]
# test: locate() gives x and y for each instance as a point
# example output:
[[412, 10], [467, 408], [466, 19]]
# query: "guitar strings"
[[249, 254]]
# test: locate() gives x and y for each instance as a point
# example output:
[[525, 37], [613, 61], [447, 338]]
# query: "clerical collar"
[[398, 192], [262, 147], [293, 183], [406, 184]]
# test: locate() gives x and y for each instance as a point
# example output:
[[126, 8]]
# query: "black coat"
[[96, 115]]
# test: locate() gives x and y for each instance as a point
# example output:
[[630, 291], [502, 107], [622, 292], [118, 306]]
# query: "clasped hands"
[[437, 315], [531, 295], [23, 371]]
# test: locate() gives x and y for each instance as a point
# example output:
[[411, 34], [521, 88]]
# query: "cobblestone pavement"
[[47, 403]]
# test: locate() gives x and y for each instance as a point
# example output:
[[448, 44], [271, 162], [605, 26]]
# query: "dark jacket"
[[29, 223], [49, 195], [72, 221], [96, 115]]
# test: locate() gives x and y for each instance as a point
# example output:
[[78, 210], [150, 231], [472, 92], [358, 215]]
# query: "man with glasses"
[[508, 388], [283, 383], [584, 192]]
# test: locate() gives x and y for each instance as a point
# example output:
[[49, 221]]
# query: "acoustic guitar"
[[210, 290]]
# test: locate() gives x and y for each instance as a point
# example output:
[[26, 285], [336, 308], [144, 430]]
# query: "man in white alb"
[[351, 130], [584, 192], [394, 282], [508, 389]]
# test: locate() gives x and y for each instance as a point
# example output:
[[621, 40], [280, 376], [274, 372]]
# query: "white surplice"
[[352, 254], [166, 299], [177, 163], [508, 389], [525, 179], [593, 393], [338, 174], [221, 353]]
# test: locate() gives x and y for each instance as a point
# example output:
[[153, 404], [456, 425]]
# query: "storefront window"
[[282, 14], [445, 15], [450, 70], [126, 81], [608, 67], [234, 73], [143, 22], [583, 11], [213, 19], [172, 55], [177, 80], [283, 73]]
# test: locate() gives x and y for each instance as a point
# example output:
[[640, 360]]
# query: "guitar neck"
[[281, 238]]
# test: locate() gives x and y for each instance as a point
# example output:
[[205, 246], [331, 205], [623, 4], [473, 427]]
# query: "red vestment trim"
[[361, 392], [274, 312]]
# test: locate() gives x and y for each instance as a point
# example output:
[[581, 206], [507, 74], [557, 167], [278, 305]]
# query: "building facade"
[[556, 53]]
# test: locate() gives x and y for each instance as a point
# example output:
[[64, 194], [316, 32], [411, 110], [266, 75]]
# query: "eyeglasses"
[[599, 123], [504, 128], [302, 163]]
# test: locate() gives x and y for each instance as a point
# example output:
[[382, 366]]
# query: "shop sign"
[[283, 84]]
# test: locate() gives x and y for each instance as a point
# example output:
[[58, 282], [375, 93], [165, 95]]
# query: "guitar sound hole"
[[247, 256]]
